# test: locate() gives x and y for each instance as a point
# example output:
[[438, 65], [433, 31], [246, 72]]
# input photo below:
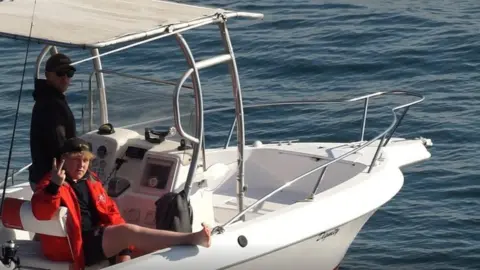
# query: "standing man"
[[52, 120]]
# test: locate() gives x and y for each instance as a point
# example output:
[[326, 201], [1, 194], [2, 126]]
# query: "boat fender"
[[242, 241]]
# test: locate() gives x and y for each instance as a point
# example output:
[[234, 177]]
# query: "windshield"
[[137, 103]]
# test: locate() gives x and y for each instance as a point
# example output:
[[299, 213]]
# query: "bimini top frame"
[[101, 23]]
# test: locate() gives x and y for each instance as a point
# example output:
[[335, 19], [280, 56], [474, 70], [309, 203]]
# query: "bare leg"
[[119, 237]]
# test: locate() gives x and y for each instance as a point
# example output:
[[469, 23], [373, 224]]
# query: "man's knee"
[[131, 227], [118, 237]]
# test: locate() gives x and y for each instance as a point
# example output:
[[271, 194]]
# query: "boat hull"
[[308, 233], [324, 251]]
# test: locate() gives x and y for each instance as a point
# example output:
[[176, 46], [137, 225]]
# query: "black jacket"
[[51, 125]]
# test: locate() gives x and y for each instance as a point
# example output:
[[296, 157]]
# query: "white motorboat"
[[279, 205]]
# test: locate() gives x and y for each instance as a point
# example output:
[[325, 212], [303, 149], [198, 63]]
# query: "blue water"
[[318, 49]]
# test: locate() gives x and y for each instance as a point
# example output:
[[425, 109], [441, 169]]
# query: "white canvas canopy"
[[99, 23]]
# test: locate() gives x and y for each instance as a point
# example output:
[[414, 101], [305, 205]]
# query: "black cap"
[[75, 145], [58, 62]]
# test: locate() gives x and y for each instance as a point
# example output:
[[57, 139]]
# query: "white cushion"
[[54, 226], [17, 214], [20, 217]]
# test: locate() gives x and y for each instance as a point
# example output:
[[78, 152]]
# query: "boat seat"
[[17, 214]]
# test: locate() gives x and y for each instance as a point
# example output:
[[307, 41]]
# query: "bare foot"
[[203, 237]]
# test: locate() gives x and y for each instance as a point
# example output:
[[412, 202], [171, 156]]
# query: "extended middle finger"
[[61, 165]]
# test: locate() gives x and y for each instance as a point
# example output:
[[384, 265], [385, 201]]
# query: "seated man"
[[96, 230]]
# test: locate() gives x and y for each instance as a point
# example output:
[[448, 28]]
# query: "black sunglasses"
[[69, 73]]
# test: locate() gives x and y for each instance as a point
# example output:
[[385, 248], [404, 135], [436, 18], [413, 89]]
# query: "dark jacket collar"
[[44, 90], [69, 180]]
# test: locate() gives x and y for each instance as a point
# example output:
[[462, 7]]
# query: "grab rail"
[[16, 173], [366, 98]]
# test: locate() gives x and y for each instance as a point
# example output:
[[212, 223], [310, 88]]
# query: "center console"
[[138, 171]]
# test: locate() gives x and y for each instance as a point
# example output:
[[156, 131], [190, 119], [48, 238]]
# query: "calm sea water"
[[314, 50]]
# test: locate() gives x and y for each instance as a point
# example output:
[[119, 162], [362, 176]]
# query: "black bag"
[[174, 213]]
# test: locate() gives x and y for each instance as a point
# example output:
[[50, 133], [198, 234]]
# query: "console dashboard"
[[128, 162]]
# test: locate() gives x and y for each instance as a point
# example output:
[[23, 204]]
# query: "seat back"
[[17, 214]]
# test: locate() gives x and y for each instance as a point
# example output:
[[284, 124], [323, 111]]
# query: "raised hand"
[[58, 173]]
